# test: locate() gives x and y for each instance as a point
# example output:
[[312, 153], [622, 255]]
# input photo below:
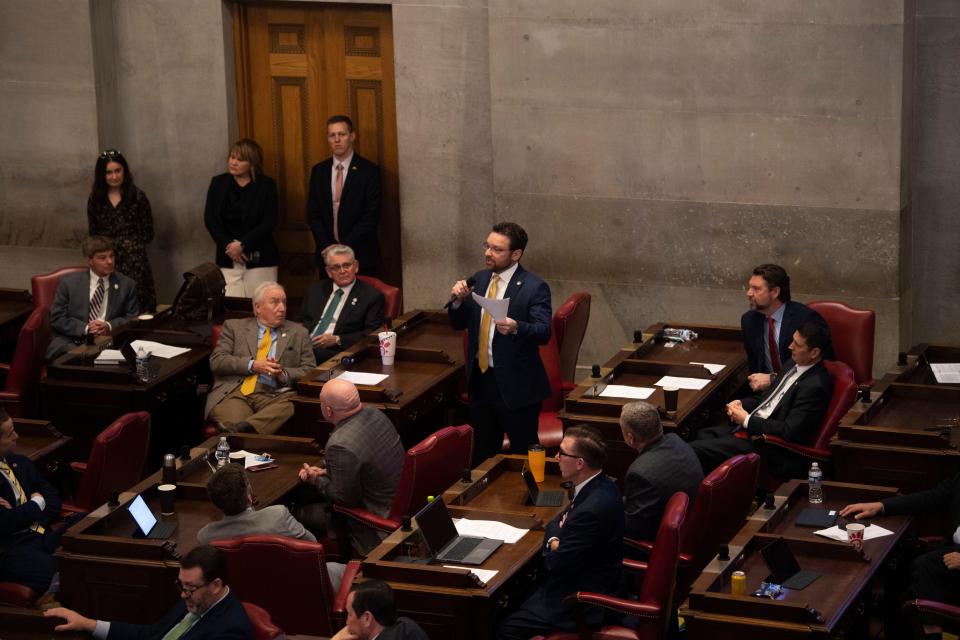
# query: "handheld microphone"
[[470, 282]]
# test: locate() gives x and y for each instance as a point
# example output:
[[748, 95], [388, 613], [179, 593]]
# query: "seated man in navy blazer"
[[582, 546], [96, 301], [769, 326], [207, 609], [341, 311], [506, 380], [792, 409]]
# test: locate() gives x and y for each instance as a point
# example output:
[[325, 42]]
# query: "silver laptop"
[[445, 544], [540, 498]]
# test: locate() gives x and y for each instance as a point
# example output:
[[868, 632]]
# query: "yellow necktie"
[[250, 382], [483, 348], [18, 490]]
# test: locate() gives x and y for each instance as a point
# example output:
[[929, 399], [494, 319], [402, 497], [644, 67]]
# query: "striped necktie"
[[96, 301], [18, 491]]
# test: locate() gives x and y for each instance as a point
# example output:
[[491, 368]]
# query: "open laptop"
[[540, 498], [784, 567], [445, 544], [147, 524]]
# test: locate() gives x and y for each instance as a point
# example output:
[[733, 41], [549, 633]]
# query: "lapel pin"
[[353, 302], [116, 286], [353, 168], [283, 335], [519, 284]]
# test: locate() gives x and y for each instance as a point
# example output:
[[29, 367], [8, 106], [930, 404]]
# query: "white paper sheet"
[[489, 529], [694, 384], [712, 368], [869, 533], [251, 459], [359, 377], [496, 308], [158, 349], [624, 391], [485, 575], [109, 356], [946, 372]]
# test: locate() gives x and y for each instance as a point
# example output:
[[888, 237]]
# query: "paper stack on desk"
[[869, 533], [158, 349], [485, 575], [489, 529], [625, 391], [109, 356]]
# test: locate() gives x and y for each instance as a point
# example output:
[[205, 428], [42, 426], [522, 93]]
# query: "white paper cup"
[[388, 346], [855, 532], [145, 316]]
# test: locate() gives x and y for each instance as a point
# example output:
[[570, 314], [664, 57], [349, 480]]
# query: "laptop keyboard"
[[550, 499], [462, 549]]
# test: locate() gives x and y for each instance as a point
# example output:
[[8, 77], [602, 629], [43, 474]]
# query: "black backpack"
[[202, 294]]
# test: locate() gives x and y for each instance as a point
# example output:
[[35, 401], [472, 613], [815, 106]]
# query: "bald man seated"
[[361, 468]]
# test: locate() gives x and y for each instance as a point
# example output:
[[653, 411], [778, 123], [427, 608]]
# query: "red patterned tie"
[[774, 350]]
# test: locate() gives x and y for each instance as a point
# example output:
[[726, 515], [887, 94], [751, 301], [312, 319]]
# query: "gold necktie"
[[250, 382], [483, 346], [18, 490]]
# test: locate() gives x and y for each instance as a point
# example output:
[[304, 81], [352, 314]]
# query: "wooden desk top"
[[30, 624], [15, 304], [38, 439], [919, 358]]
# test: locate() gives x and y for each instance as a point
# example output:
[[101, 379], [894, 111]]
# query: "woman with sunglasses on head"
[[120, 211], [240, 215]]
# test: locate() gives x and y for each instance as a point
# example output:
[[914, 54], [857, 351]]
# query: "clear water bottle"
[[223, 452], [143, 369], [815, 484]]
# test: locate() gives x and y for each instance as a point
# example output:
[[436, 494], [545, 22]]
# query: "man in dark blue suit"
[[207, 609], [506, 380], [772, 320], [583, 545]]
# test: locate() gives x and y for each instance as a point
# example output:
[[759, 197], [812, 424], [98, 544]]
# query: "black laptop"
[[445, 544], [540, 498], [784, 567], [147, 524]]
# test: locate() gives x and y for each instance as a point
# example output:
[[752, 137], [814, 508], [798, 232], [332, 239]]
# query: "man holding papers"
[[791, 409], [505, 377]]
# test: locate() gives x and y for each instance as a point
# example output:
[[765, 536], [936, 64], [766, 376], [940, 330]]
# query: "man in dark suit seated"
[[583, 545], [363, 460], [665, 464], [934, 575], [256, 363], [372, 614], [341, 311], [770, 324], [791, 409], [97, 301], [506, 380], [207, 609]]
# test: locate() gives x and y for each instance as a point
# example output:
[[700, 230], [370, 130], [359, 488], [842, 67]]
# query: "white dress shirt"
[[505, 277]]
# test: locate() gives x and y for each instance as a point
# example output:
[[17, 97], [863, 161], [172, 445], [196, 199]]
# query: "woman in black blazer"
[[240, 215]]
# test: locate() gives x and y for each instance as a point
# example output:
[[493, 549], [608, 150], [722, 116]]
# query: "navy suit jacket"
[[361, 314], [754, 327], [944, 498], [359, 212], [71, 308], [227, 620], [521, 378], [19, 517]]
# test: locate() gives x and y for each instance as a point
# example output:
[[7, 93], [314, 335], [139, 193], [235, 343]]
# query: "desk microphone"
[[470, 282]]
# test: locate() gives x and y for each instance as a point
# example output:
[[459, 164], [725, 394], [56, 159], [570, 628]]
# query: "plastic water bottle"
[[815, 484], [223, 452], [143, 370]]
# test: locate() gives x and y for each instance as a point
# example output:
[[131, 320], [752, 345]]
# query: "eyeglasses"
[[563, 454], [341, 267], [109, 153], [188, 589], [490, 247]]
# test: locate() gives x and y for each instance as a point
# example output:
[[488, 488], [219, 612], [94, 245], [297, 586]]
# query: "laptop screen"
[[142, 514], [532, 487], [436, 525]]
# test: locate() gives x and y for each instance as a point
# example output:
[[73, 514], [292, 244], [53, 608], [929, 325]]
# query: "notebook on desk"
[[445, 544], [147, 524]]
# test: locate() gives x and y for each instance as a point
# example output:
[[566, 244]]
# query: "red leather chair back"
[[430, 467], [20, 387], [45, 286], [853, 332], [569, 326], [116, 460], [844, 395], [392, 296], [263, 627], [276, 573], [661, 576], [550, 356]]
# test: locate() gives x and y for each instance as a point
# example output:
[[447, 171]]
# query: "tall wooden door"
[[296, 65]]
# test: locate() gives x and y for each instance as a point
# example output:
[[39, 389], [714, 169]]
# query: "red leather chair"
[[45, 286], [948, 615], [721, 507], [428, 469], [116, 461], [392, 296], [263, 627], [853, 331], [22, 376], [655, 603], [569, 326], [17, 595], [253, 564], [550, 428], [816, 449]]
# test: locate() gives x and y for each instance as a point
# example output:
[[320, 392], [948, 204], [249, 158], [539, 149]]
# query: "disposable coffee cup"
[[168, 494], [537, 460], [236, 457], [388, 346], [670, 397], [855, 532]]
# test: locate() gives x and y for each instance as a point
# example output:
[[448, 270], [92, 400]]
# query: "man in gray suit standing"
[[364, 458], [665, 464], [256, 363], [96, 301]]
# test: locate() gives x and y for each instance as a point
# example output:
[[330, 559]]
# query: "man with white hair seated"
[[256, 363]]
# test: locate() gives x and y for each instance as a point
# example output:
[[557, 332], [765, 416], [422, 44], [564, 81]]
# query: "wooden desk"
[[826, 608], [423, 382], [47, 448], [450, 603], [642, 365], [919, 358], [15, 307], [29, 624], [107, 574]]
